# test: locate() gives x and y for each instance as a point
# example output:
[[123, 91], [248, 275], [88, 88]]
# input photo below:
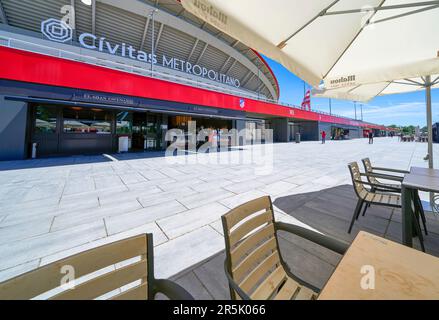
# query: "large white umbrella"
[[333, 39], [338, 43]]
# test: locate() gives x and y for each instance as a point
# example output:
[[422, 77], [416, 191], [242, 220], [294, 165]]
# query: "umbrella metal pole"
[[429, 121], [430, 130]]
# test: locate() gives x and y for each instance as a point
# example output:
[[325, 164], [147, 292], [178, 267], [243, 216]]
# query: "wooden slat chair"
[[372, 175], [254, 266], [135, 256], [368, 197]]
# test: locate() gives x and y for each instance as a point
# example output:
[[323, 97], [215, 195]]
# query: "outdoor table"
[[399, 272], [419, 179], [424, 171]]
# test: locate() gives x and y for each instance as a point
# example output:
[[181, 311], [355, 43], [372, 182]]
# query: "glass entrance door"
[[153, 132], [147, 131], [139, 131]]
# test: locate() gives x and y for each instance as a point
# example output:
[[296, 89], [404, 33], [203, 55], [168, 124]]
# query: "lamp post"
[[355, 108], [151, 15], [330, 106], [361, 106]]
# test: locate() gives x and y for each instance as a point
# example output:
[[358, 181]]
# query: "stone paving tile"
[[13, 220], [25, 230], [185, 251], [79, 185], [239, 199], [86, 216], [175, 226], [171, 186], [20, 252], [152, 175], [203, 198], [132, 177], [123, 222], [277, 188], [191, 283], [242, 187], [128, 195], [158, 238], [214, 278], [211, 185], [19, 269], [158, 198]]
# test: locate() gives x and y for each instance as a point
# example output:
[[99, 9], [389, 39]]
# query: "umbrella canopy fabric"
[[338, 41], [366, 92]]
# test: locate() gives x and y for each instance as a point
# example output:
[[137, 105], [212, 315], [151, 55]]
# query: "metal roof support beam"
[[93, 16], [231, 66], [3, 14], [73, 15], [202, 53], [225, 63], [158, 36], [145, 32], [248, 80], [246, 76], [193, 49], [181, 11]]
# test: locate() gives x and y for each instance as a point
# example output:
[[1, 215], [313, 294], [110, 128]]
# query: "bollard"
[[34, 150]]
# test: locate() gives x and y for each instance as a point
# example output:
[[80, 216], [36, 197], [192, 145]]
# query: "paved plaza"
[[52, 208]]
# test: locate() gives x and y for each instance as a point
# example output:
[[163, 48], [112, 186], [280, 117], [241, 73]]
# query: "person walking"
[[323, 137], [370, 137]]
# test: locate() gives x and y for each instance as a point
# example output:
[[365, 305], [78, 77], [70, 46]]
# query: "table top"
[[400, 272], [421, 182], [425, 171]]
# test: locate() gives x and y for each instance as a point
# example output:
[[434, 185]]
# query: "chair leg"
[[419, 231], [359, 210], [356, 213], [418, 202], [365, 208]]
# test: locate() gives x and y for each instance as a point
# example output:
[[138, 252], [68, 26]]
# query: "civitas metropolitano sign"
[[59, 31]]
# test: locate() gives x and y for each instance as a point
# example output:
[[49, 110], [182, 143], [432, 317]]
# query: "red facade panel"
[[31, 67]]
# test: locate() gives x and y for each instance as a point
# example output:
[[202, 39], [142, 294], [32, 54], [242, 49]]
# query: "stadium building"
[[77, 75]]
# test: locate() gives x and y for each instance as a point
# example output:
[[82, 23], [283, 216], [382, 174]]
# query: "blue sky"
[[400, 109]]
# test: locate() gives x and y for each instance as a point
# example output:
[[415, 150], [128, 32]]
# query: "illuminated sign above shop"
[[56, 30]]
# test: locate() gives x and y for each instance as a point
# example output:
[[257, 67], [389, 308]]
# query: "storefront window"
[[124, 123], [45, 119], [81, 120]]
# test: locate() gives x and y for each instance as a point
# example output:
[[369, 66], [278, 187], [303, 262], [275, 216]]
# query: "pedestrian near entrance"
[[323, 137], [370, 137]]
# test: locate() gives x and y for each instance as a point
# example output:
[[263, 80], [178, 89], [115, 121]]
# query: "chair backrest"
[[359, 187], [95, 272], [368, 169], [252, 251]]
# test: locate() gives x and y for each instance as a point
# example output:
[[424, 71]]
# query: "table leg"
[[407, 216]]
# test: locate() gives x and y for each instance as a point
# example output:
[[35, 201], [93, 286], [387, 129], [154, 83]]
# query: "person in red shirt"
[[323, 136]]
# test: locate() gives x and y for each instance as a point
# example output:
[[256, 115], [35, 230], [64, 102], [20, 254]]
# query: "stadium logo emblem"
[[57, 30], [242, 103]]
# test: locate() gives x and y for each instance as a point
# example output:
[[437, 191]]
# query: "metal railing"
[[68, 55]]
